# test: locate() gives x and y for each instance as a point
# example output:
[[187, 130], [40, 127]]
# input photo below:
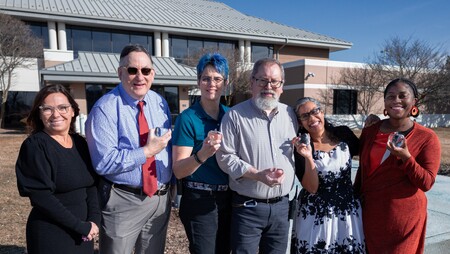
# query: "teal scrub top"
[[191, 128]]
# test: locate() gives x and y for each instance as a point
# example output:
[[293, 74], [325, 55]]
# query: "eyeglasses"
[[216, 80], [134, 70], [313, 112], [49, 110], [265, 82]]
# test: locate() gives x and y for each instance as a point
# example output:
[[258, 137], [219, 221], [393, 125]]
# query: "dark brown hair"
[[34, 121]]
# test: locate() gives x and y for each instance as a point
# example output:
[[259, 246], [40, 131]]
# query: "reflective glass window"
[[82, 40], [211, 45], [261, 51], [183, 48], [226, 46], [139, 39], [171, 95], [178, 48], [17, 108], [102, 41], [40, 30], [344, 101], [195, 47], [119, 41]]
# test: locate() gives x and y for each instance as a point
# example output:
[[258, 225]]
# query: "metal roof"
[[95, 67], [185, 17]]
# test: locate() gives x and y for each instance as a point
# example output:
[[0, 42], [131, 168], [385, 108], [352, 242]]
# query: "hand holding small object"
[[302, 145], [273, 176], [398, 147]]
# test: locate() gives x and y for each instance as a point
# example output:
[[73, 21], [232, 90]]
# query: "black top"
[[60, 183], [342, 133]]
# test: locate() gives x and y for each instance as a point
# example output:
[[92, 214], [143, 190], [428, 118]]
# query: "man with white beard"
[[257, 154]]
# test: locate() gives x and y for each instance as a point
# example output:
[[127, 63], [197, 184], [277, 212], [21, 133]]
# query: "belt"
[[205, 186], [252, 202], [138, 191]]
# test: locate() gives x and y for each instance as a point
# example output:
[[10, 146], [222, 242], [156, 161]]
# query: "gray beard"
[[266, 103]]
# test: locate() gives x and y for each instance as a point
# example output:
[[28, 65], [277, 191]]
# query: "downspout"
[[278, 50]]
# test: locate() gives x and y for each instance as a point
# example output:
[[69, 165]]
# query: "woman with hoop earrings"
[[399, 160]]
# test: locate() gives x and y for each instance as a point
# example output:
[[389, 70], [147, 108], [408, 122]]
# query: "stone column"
[[165, 44], [248, 51], [62, 38], [157, 43], [241, 51], [52, 39]]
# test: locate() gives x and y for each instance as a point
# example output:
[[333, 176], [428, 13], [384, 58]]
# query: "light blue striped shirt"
[[112, 133]]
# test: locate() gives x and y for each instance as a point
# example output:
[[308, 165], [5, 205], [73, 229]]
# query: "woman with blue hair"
[[205, 208]]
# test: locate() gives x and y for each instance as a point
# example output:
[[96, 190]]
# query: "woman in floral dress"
[[329, 215]]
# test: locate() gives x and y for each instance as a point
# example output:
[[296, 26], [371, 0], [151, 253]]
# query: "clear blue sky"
[[365, 23]]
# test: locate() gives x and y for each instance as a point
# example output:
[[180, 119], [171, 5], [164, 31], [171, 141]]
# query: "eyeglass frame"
[[134, 70], [278, 83], [216, 80], [313, 112], [62, 109]]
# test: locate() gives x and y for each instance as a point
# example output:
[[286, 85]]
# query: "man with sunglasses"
[[257, 154], [124, 146]]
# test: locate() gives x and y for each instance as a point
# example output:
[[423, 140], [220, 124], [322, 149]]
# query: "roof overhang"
[[174, 29], [74, 77], [95, 67]]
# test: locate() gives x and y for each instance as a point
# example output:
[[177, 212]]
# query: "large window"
[[18, 106], [261, 51], [104, 40], [344, 101], [170, 93], [183, 48], [94, 92], [40, 30], [179, 48], [81, 40]]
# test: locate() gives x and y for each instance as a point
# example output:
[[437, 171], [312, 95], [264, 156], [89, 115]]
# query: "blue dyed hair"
[[216, 60]]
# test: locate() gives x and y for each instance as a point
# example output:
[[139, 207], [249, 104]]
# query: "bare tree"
[[17, 46], [425, 65], [326, 99], [368, 83], [239, 73]]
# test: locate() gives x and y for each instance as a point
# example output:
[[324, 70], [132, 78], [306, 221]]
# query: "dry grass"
[[14, 209]]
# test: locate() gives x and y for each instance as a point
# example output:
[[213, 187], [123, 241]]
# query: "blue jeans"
[[265, 226], [206, 217]]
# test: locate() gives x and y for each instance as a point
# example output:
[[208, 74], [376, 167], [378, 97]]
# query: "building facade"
[[82, 40]]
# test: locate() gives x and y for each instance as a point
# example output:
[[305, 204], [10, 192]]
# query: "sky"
[[368, 24]]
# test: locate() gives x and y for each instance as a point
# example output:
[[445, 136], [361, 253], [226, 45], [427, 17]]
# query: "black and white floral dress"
[[330, 220]]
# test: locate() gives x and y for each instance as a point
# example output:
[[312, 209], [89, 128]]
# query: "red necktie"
[[149, 183]]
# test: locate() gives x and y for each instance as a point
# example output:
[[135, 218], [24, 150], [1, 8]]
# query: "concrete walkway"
[[438, 225], [437, 239]]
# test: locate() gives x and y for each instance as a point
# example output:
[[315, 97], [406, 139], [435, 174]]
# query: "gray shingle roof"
[[102, 68], [191, 17]]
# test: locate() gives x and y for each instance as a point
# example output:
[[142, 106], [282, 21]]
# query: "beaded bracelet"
[[197, 159]]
